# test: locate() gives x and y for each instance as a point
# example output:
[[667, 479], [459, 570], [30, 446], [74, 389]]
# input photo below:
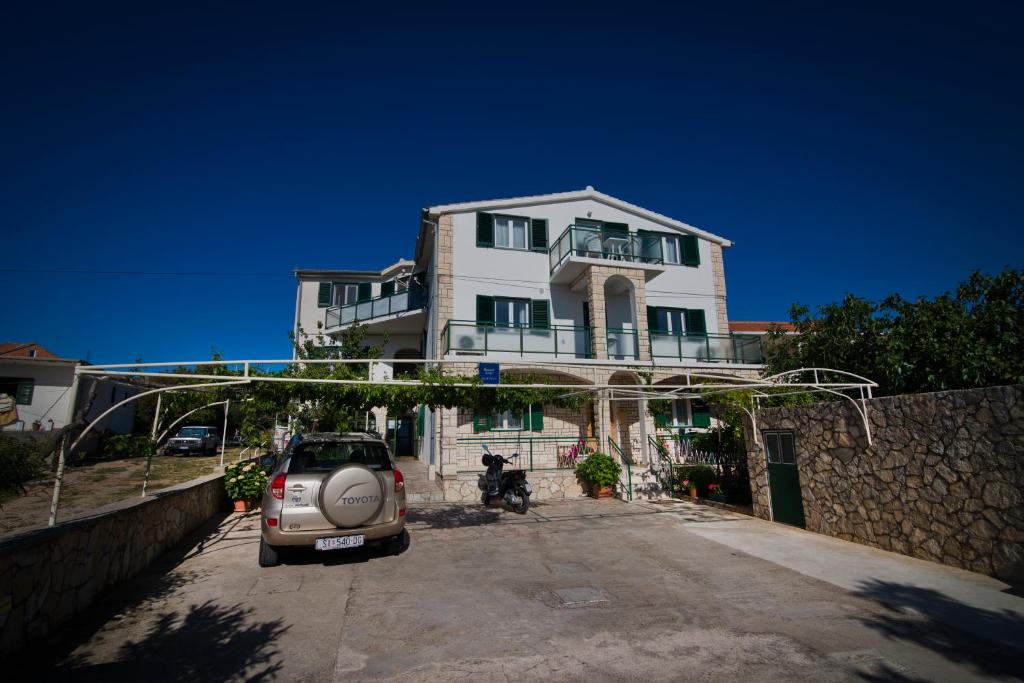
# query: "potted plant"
[[695, 478], [691, 487], [244, 483], [601, 471], [715, 493]]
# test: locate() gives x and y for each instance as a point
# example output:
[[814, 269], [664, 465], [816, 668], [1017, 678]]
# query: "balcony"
[[707, 348], [473, 338], [580, 247], [566, 341], [383, 307]]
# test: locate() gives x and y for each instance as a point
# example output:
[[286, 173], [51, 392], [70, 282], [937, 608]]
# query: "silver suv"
[[191, 440], [333, 491]]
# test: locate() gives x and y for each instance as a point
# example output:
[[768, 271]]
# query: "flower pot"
[[693, 492], [600, 491], [243, 505]]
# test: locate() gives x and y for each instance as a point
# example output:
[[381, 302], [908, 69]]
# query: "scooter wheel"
[[523, 506]]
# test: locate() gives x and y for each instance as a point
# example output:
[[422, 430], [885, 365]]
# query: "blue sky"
[[863, 150]]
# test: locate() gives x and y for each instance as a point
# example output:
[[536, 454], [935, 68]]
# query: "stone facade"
[[442, 298], [718, 273], [48, 575], [596, 278], [943, 479]]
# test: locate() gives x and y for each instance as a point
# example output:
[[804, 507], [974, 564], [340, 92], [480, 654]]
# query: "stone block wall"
[[943, 479], [49, 575]]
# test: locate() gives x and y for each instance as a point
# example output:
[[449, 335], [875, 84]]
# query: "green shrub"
[[128, 446], [599, 469], [245, 481], [20, 461], [698, 476]]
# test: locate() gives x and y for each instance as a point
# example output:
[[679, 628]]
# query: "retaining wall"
[[49, 575], [943, 479]]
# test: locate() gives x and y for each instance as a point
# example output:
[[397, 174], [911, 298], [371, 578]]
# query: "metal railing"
[[626, 466], [466, 336], [623, 343], [406, 300], [665, 470], [568, 451], [714, 348], [592, 242]]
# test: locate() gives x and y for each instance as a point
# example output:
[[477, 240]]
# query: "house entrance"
[[783, 478], [400, 435]]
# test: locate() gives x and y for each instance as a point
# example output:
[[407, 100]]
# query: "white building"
[[35, 392], [612, 292]]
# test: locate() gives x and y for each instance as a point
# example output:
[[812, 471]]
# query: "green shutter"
[[484, 230], [484, 309], [701, 415], [323, 295], [695, 323], [540, 314], [661, 420], [691, 251], [536, 417], [365, 292], [539, 234], [481, 423], [652, 319], [420, 416], [23, 394], [387, 288]]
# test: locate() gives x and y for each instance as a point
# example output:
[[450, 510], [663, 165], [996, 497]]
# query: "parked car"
[[330, 492], [191, 440]]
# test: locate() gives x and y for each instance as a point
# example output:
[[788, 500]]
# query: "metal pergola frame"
[[801, 381]]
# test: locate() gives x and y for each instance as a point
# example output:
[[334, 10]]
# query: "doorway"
[[400, 436], [783, 478]]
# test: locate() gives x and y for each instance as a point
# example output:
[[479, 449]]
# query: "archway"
[[620, 318]]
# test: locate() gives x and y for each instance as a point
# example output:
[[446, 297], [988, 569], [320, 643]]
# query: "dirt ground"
[[88, 487]]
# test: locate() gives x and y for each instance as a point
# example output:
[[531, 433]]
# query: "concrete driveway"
[[581, 590]]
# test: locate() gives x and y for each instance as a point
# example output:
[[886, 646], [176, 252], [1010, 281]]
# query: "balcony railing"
[[466, 336], [623, 343], [712, 348], [407, 300], [596, 243]]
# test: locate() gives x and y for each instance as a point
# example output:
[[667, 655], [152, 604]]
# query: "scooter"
[[511, 485]]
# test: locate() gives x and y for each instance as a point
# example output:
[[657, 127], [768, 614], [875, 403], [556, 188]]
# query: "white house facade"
[[603, 291]]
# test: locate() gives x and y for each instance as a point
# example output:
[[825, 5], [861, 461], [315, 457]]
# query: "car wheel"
[[398, 543], [270, 556]]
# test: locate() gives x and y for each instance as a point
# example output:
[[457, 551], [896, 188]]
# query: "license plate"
[[340, 542]]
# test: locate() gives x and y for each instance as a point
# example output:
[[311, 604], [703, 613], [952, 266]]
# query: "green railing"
[[527, 445], [407, 300], [714, 348], [467, 336], [623, 343], [627, 466], [611, 245]]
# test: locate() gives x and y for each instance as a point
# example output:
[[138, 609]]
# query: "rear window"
[[194, 432], [325, 456]]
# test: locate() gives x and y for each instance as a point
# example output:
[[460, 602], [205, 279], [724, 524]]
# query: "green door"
[[783, 479]]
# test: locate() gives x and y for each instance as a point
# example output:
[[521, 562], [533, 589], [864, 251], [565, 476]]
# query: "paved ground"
[[582, 590]]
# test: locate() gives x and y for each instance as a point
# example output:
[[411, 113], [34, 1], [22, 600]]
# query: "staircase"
[[418, 488]]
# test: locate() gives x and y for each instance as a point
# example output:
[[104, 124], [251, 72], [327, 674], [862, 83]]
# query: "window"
[[507, 420], [21, 388], [345, 293], [511, 312], [669, 320], [510, 232], [780, 448], [672, 252], [327, 456]]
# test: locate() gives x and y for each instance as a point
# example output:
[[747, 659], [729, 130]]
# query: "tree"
[[971, 338]]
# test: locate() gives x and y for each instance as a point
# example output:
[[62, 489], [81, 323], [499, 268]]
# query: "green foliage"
[[20, 461], [245, 481], [128, 446], [599, 469], [734, 482], [695, 476], [971, 338]]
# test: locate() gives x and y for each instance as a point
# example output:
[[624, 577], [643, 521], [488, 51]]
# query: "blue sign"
[[489, 373]]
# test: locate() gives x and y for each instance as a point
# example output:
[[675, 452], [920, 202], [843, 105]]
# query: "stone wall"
[[943, 479], [48, 575]]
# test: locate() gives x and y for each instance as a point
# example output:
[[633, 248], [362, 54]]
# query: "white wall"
[[51, 398], [526, 274]]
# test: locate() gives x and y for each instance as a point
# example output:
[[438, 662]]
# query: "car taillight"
[[401, 512], [399, 481], [277, 487]]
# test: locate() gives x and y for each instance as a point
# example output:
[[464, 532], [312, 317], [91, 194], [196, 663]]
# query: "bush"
[[735, 484], [245, 481], [20, 461], [698, 476], [599, 469], [128, 446]]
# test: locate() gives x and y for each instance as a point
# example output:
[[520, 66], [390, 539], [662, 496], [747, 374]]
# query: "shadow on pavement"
[[988, 641], [452, 516]]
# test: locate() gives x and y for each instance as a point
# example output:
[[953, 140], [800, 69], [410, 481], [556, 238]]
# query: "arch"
[[620, 316]]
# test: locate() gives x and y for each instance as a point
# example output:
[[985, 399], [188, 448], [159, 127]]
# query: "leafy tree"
[[971, 338]]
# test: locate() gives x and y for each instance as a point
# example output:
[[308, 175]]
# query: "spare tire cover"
[[351, 496]]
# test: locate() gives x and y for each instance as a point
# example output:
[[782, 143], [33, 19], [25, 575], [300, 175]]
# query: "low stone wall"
[[48, 575], [943, 479], [552, 485]]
